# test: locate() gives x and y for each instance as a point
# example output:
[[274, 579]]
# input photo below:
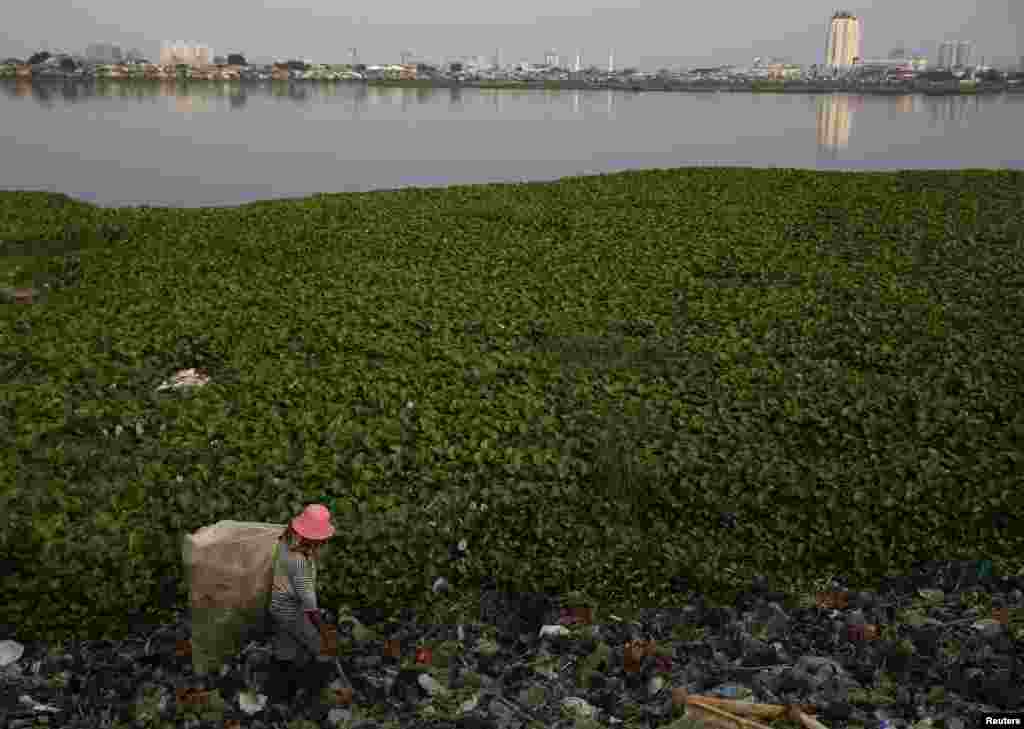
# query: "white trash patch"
[[10, 652], [185, 378]]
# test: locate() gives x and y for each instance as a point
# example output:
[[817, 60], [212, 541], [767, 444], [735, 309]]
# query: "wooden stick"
[[711, 711], [749, 708], [808, 721], [714, 716]]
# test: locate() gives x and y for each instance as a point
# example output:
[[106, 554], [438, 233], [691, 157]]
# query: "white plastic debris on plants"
[[251, 702], [554, 630], [32, 704], [579, 707], [185, 378], [10, 652]]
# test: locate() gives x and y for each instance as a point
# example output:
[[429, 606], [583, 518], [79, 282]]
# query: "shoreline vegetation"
[[748, 354], [793, 87]]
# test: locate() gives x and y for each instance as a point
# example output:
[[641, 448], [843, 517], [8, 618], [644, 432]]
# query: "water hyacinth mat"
[[938, 647], [801, 348]]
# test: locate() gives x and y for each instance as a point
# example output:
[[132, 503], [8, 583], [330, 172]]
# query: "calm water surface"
[[211, 144]]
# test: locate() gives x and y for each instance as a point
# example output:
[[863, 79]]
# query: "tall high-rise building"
[[964, 51], [190, 54], [947, 54], [842, 44], [955, 53], [103, 52]]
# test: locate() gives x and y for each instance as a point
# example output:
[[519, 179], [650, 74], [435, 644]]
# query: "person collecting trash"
[[299, 642]]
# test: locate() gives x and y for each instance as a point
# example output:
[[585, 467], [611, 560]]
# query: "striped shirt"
[[294, 589]]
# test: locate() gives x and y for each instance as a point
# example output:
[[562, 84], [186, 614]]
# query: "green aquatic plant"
[[609, 365]]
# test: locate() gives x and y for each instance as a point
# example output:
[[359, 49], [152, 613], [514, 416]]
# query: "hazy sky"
[[645, 33]]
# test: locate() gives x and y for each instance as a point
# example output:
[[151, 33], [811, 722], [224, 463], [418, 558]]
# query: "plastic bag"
[[229, 566]]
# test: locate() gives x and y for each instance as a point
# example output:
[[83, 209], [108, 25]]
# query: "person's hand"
[[328, 640], [315, 618]]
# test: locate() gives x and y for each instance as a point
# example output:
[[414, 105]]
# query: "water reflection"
[[835, 117], [187, 103], [285, 90], [835, 113], [208, 96], [282, 155], [954, 108], [908, 103]]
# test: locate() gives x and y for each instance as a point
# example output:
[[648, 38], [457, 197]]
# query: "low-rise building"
[[783, 71], [111, 71], [158, 73]]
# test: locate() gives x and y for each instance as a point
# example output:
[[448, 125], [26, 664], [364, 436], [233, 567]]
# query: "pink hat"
[[314, 523]]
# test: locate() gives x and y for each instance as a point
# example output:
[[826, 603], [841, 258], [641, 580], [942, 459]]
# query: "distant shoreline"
[[771, 88]]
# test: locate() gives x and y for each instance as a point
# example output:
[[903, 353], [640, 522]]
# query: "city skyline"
[[521, 32]]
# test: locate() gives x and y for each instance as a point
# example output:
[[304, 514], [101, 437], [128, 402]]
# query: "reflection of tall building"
[[188, 103], [834, 121], [842, 44], [908, 103], [952, 108]]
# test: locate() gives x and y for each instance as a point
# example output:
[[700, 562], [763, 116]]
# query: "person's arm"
[[305, 589], [304, 586]]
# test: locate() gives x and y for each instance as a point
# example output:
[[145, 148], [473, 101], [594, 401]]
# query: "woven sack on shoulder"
[[230, 567]]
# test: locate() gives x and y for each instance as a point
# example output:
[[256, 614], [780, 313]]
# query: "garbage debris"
[[10, 652], [185, 378]]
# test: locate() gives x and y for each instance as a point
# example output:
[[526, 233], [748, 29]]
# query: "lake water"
[[230, 144]]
